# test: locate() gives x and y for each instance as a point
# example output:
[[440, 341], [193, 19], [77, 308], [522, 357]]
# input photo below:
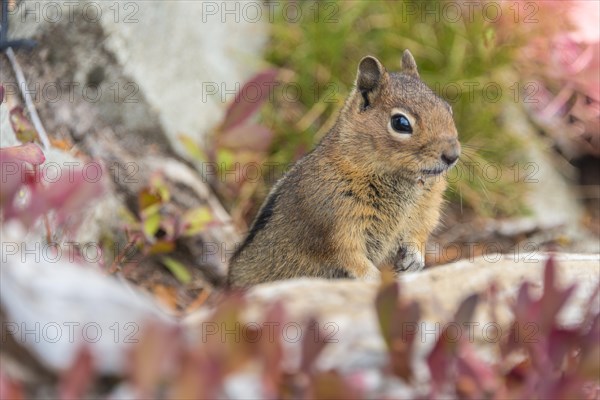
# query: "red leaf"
[[559, 344], [29, 152], [10, 389], [225, 342], [249, 99], [590, 351], [16, 172], [525, 325], [271, 349], [476, 378], [403, 335], [398, 322], [191, 380], [386, 304], [439, 362], [313, 343], [553, 299], [253, 137], [78, 378], [465, 311], [154, 357], [443, 357], [67, 195]]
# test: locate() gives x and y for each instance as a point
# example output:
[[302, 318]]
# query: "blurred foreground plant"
[[549, 361], [28, 195]]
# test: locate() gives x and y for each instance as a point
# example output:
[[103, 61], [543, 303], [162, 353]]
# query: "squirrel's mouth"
[[433, 172]]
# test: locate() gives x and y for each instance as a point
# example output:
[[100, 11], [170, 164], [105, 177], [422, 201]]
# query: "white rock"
[[53, 309]]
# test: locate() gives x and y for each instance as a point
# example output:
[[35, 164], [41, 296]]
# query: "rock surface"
[[345, 309], [50, 309], [139, 66], [555, 209], [117, 83], [53, 309]]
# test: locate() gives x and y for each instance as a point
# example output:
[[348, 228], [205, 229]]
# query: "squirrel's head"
[[400, 120]]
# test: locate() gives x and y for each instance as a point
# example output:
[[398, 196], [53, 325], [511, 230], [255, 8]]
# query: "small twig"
[[114, 267], [35, 119]]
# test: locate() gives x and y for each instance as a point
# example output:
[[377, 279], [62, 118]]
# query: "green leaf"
[[225, 158], [159, 187], [177, 269], [195, 220], [193, 149], [23, 129], [151, 225], [146, 199], [161, 247]]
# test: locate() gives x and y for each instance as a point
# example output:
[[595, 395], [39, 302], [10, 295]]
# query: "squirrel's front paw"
[[370, 273], [373, 275], [409, 260]]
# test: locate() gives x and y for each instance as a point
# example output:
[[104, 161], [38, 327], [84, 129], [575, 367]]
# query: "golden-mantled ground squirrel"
[[368, 195]]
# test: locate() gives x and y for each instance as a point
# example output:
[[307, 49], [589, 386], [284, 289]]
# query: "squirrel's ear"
[[369, 78], [409, 66], [369, 75]]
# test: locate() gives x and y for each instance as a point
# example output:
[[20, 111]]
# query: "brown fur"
[[362, 198]]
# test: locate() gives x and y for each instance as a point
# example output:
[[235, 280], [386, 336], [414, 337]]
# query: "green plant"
[[158, 225]]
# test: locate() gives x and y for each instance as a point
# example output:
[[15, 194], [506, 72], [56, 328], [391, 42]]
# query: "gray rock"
[[148, 63]]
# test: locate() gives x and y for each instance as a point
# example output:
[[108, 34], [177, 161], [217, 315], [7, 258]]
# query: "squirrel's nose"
[[449, 157]]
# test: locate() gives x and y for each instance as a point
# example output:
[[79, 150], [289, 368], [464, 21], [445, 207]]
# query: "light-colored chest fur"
[[377, 215]]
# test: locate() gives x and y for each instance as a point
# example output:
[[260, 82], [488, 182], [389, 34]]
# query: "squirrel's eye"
[[401, 124]]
